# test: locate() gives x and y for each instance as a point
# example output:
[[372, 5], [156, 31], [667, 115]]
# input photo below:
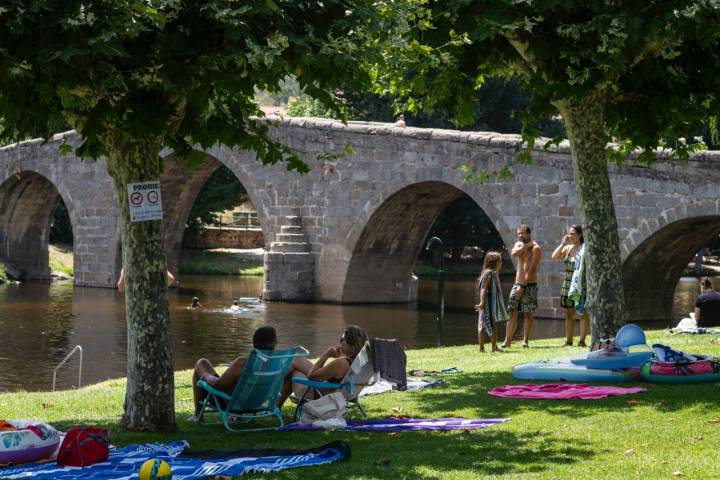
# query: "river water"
[[41, 322]]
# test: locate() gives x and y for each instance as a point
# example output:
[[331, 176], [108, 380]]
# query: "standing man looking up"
[[523, 296]]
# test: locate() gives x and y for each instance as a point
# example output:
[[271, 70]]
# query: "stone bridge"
[[350, 230]]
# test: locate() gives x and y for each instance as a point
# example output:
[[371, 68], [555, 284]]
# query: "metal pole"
[[441, 291]]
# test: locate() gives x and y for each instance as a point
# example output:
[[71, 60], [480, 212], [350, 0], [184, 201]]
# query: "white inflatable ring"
[[21, 446]]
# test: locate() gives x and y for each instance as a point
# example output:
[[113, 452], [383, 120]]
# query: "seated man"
[[264, 338], [707, 305]]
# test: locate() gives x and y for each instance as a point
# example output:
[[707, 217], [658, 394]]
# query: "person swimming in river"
[[195, 304], [235, 307]]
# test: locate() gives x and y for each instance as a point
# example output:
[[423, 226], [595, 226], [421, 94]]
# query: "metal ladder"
[[77, 348]]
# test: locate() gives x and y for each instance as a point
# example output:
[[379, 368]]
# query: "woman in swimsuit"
[[566, 252], [351, 342]]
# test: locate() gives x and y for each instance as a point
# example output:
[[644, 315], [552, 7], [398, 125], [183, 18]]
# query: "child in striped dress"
[[491, 309]]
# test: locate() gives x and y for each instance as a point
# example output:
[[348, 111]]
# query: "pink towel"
[[561, 391]]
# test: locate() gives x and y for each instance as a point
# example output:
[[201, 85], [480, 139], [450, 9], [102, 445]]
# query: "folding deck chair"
[[360, 375], [256, 390]]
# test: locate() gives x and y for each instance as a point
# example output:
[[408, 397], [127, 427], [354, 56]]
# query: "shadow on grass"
[[487, 452]]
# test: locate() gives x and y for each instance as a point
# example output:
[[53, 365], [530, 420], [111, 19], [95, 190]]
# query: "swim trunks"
[[525, 304]]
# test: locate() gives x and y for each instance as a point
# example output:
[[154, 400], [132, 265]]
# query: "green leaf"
[[194, 159], [66, 149]]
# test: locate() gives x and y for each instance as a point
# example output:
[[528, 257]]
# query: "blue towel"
[[124, 463]]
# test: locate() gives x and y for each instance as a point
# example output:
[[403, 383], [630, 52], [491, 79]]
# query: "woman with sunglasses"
[[331, 367]]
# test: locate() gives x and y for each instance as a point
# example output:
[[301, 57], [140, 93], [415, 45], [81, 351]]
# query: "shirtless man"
[[264, 338], [523, 296]]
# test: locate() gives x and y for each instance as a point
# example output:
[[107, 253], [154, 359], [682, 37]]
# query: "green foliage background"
[[223, 191]]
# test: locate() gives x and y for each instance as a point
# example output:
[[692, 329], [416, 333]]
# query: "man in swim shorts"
[[264, 338], [523, 296]]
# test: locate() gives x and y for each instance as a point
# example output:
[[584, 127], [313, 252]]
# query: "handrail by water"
[[67, 357]]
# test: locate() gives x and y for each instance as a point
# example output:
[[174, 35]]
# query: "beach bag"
[[84, 446], [324, 408]]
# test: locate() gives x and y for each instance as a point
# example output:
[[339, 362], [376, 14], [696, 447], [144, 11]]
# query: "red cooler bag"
[[84, 446]]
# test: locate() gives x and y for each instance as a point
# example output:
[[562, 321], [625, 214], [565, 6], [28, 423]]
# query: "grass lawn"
[[61, 259], [668, 429], [218, 262]]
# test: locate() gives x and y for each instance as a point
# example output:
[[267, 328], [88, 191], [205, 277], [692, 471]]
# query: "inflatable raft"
[[704, 369], [563, 369], [615, 358], [29, 442]]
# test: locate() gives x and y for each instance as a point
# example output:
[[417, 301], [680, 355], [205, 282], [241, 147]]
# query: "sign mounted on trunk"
[[145, 201]]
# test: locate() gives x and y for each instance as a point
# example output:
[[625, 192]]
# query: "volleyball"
[[155, 469]]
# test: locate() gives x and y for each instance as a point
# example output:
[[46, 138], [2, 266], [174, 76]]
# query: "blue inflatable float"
[[620, 362], [563, 369]]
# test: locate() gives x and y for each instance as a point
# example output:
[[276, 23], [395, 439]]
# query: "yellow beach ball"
[[155, 469]]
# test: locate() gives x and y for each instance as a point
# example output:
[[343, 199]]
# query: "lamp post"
[[441, 293]]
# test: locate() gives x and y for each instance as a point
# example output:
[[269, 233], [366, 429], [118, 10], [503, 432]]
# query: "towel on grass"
[[382, 386], [561, 391], [395, 424], [430, 373], [124, 463]]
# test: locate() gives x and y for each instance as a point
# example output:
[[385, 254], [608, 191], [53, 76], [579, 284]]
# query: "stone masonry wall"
[[226, 237]]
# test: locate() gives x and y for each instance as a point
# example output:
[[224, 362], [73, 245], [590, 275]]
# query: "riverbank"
[[656, 434], [222, 261], [61, 259]]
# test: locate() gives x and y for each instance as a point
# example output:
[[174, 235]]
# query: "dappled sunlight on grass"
[[648, 435]]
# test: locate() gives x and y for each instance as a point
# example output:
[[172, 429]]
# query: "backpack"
[[84, 446]]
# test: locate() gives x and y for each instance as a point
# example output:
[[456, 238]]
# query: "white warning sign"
[[145, 202]]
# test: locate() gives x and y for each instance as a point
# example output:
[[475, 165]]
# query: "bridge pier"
[[289, 265]]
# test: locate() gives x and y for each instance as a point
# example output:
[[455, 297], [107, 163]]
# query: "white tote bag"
[[324, 408]]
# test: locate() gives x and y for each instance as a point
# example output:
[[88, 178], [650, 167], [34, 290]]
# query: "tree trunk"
[[149, 397], [588, 140]]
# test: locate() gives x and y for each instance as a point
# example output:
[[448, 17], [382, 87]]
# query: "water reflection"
[[41, 322]]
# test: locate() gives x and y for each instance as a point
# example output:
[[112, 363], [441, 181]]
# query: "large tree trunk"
[[588, 140], [149, 397]]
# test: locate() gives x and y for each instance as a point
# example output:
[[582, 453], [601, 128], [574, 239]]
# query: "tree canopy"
[[649, 59], [643, 74]]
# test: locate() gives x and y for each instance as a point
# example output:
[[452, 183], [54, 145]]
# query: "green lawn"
[[212, 262], [61, 259], [666, 430]]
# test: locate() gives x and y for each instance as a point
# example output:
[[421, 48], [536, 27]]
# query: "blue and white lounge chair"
[[361, 374], [256, 390]]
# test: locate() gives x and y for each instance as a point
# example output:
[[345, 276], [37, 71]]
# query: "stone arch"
[[389, 242], [652, 269], [180, 188], [27, 202]]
